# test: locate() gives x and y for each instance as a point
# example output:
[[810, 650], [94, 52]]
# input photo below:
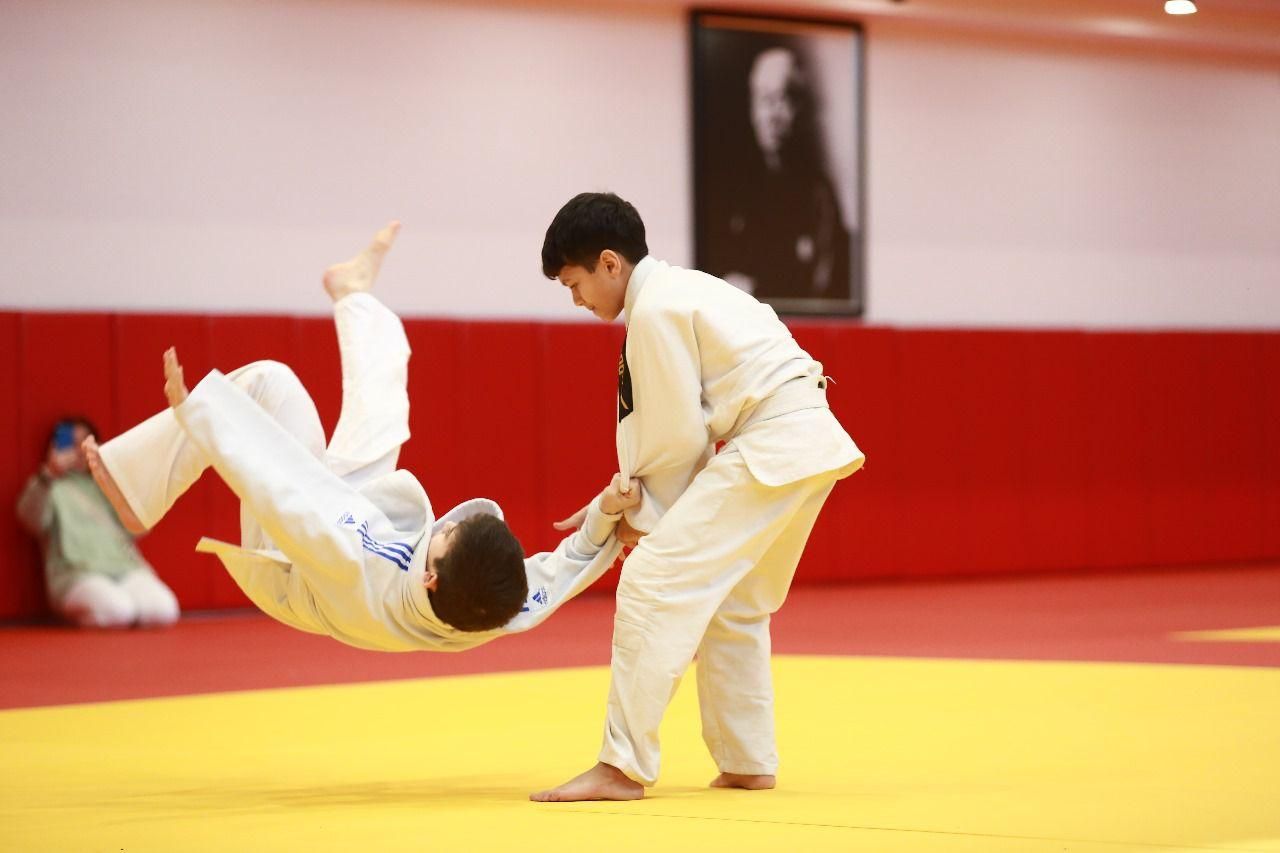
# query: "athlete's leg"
[[146, 469], [735, 685], [374, 420]]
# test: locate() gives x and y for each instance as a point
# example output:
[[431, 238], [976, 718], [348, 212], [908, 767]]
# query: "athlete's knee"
[[737, 633], [267, 379], [739, 615], [272, 371]]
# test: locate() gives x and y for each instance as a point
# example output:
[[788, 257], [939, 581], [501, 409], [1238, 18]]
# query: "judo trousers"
[[706, 580], [156, 462]]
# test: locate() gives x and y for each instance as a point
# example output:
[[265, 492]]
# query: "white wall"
[[214, 155], [1034, 184]]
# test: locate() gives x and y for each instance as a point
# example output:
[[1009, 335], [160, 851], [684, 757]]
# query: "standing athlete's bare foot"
[[107, 483], [175, 387], [742, 780], [357, 275], [602, 782]]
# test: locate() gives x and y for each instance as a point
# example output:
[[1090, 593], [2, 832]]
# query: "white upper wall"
[[215, 155], [1032, 184]]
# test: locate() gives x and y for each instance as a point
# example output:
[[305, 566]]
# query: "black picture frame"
[[778, 158]]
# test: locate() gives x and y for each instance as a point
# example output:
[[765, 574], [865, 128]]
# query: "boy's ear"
[[431, 580], [612, 263]]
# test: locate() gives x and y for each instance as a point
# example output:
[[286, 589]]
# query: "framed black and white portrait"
[[778, 159]]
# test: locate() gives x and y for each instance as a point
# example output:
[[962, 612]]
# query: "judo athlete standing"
[[335, 540], [702, 362]]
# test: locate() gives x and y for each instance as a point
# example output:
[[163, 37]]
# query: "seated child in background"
[[94, 574]]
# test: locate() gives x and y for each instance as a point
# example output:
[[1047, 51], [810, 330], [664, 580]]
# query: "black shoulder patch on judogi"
[[625, 404]]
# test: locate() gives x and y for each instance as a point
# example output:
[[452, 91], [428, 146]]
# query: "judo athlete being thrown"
[[334, 539], [702, 363]]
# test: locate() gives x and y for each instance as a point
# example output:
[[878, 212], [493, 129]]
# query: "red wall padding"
[[988, 451], [19, 577], [1270, 469]]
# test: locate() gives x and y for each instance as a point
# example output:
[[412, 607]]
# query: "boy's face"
[[437, 548], [603, 292]]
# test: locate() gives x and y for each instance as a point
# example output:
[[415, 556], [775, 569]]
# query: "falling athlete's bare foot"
[[602, 782], [745, 781], [175, 387], [358, 274], [107, 483]]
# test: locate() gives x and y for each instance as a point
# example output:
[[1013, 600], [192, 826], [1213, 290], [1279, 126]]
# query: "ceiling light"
[[1179, 7]]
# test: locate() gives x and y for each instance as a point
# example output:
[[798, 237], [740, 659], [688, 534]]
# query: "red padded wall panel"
[[992, 445], [499, 403], [435, 375], [235, 342], [319, 366], [1058, 401], [930, 456], [140, 340], [66, 363], [1269, 392], [66, 368], [1175, 389], [867, 514], [20, 568], [988, 451], [1219, 447], [1206, 501], [578, 365], [960, 451], [1116, 417]]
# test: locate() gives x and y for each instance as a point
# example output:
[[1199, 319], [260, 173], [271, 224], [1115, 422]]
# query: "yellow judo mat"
[[1266, 634], [878, 755]]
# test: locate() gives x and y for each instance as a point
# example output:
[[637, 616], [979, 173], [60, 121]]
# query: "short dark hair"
[[586, 226], [481, 583]]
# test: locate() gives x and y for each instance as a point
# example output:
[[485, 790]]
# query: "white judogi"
[[705, 362], [334, 540]]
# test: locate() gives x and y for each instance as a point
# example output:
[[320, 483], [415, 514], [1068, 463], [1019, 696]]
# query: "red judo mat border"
[[1096, 617]]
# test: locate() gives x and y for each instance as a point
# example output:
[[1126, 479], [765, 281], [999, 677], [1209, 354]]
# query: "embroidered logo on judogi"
[[538, 601], [625, 404]]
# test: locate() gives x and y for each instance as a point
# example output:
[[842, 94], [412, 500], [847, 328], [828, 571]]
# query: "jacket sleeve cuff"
[[599, 525]]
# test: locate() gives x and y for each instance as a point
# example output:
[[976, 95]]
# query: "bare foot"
[[175, 387], [107, 483], [602, 782], [742, 780], [357, 275]]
